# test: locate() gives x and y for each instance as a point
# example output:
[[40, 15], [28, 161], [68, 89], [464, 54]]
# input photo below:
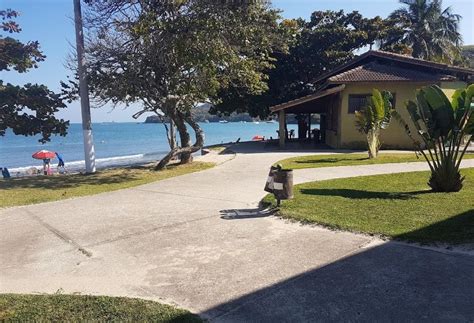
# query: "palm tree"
[[431, 32], [373, 118]]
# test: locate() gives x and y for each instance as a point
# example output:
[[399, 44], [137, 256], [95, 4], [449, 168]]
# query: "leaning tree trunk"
[[186, 150], [186, 154], [197, 130]]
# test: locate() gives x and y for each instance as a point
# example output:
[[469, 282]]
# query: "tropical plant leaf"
[[442, 111], [458, 99], [378, 106], [415, 116], [469, 97], [361, 121], [436, 97]]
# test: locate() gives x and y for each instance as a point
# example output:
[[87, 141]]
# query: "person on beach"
[[5, 172], [61, 165], [47, 166]]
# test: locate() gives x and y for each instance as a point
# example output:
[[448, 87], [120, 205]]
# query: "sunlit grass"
[[81, 308], [316, 161], [30, 190], [396, 205]]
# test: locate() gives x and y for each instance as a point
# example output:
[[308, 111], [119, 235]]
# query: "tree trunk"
[[185, 156], [197, 130], [186, 150], [172, 135], [373, 143]]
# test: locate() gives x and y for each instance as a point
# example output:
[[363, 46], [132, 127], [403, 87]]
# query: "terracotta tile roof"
[[422, 62], [375, 72], [374, 55]]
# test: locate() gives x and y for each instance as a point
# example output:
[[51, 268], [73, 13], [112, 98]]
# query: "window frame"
[[394, 100], [359, 96]]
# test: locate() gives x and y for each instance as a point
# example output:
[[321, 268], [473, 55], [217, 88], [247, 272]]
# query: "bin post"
[[282, 128]]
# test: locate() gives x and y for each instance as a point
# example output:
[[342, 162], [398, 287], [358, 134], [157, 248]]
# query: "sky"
[[50, 22]]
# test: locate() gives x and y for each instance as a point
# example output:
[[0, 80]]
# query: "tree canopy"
[[173, 55], [327, 40], [431, 32], [468, 55], [28, 110]]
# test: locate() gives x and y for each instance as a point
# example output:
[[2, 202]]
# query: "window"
[[358, 102]]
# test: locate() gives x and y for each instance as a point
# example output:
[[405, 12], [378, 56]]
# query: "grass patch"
[[217, 148], [79, 308], [316, 161], [37, 189], [397, 205]]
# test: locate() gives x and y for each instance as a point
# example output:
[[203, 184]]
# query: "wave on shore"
[[101, 163]]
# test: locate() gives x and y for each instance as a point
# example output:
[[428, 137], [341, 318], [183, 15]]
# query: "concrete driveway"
[[199, 241]]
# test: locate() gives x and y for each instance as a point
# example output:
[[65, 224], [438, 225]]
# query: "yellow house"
[[345, 89]]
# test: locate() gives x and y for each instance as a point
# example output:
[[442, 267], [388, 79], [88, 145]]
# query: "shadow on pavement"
[[237, 214], [391, 282], [255, 147]]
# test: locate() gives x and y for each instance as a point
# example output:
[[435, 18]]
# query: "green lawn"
[[316, 161], [30, 190], [217, 148], [397, 205], [77, 308]]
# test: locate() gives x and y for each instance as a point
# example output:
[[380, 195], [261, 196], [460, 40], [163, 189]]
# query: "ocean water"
[[118, 144]]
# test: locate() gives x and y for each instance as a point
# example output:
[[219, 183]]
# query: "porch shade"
[[301, 102]]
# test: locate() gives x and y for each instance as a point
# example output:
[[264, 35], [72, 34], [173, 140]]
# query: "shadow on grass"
[[362, 194], [329, 160], [68, 181], [456, 229]]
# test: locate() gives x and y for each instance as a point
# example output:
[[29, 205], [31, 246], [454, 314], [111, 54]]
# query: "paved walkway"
[[198, 241]]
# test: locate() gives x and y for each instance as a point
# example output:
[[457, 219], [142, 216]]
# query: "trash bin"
[[283, 184], [270, 180]]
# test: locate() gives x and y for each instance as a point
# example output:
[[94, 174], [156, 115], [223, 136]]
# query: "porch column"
[[282, 128]]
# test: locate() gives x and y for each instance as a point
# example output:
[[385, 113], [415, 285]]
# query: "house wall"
[[333, 127], [450, 87], [394, 136], [332, 139]]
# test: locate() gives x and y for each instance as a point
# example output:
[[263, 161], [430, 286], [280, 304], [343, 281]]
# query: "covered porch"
[[325, 103]]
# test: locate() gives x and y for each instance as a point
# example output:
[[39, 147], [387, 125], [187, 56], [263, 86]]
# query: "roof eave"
[[311, 97], [390, 81]]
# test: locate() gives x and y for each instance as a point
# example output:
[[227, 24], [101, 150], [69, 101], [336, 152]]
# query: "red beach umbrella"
[[44, 154]]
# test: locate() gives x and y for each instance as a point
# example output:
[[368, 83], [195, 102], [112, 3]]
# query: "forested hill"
[[201, 114]]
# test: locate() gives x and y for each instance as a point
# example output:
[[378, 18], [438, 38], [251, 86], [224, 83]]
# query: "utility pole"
[[89, 153]]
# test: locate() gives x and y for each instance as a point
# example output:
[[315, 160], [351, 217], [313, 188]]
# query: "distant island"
[[201, 114]]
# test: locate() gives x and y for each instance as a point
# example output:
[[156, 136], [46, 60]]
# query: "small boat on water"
[[270, 121], [223, 121], [256, 122], [258, 138]]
